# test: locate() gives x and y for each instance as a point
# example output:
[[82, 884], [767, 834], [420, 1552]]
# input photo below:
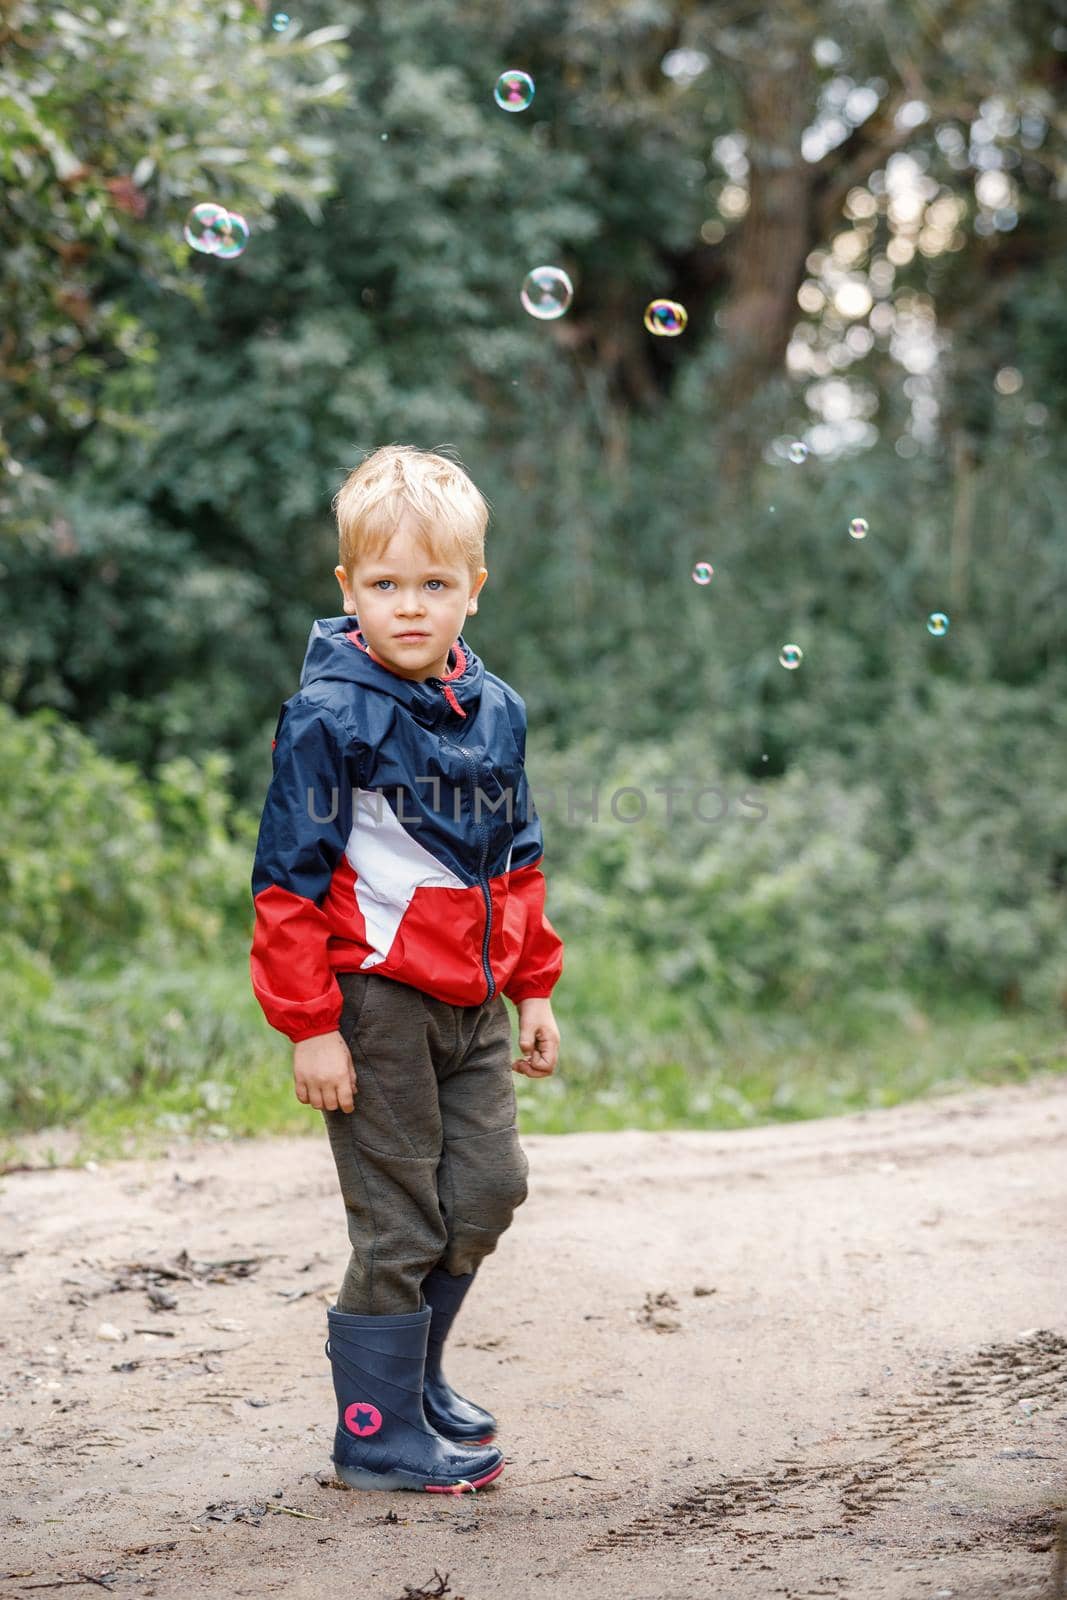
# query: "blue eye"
[[378, 581]]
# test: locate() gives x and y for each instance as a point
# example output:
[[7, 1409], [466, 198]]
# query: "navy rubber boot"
[[446, 1410], [383, 1440]]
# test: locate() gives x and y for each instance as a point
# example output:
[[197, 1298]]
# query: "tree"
[[115, 119]]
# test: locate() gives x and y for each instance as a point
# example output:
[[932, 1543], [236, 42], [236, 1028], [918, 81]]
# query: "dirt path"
[[869, 1397]]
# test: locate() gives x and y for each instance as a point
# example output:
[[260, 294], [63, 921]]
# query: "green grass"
[[124, 1065], [770, 1069], [637, 1056]]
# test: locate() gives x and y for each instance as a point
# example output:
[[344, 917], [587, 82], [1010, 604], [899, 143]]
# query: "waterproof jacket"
[[398, 836]]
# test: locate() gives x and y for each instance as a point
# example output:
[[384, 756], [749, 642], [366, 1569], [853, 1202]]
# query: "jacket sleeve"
[[302, 836], [539, 966]]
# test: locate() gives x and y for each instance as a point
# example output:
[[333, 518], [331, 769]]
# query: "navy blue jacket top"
[[398, 836]]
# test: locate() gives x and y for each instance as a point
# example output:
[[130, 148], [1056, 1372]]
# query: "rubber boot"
[[383, 1440], [446, 1410]]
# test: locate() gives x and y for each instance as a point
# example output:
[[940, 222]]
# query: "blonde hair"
[[451, 514]]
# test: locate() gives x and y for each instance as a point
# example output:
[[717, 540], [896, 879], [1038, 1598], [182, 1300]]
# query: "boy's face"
[[405, 591]]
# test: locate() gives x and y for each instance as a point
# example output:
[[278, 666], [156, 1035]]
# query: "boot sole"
[[360, 1478]]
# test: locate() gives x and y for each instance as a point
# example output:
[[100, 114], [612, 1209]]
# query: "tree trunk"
[[771, 245]]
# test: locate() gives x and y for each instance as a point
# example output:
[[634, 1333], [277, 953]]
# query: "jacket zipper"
[[482, 878]]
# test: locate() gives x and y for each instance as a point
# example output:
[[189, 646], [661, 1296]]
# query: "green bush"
[[932, 859], [98, 864], [837, 902]]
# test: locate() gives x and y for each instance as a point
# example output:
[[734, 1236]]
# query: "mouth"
[[411, 636]]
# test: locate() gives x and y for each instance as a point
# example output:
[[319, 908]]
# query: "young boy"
[[398, 896]]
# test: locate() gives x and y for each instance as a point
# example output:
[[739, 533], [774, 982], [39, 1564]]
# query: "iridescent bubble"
[[202, 227], [214, 231], [514, 90], [859, 527], [547, 292], [937, 624], [798, 451], [280, 21], [666, 317], [234, 236], [703, 572], [790, 655]]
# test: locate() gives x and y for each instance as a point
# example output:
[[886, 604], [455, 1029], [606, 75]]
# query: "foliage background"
[[861, 208]]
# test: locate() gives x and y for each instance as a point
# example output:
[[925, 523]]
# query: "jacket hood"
[[337, 649]]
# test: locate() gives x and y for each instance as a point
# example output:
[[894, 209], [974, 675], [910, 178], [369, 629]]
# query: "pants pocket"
[[353, 987]]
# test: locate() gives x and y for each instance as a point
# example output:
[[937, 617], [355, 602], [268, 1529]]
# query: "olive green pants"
[[429, 1161]]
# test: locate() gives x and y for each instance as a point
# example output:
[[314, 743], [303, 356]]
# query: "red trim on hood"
[[355, 636]]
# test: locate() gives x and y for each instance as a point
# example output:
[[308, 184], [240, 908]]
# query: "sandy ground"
[[819, 1359]]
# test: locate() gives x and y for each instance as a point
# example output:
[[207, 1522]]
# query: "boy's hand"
[[324, 1074], [538, 1039]]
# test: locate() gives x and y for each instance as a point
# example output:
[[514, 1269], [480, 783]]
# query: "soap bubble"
[[790, 655], [859, 527], [214, 231], [937, 624], [683, 66], [666, 317], [234, 238], [703, 572], [798, 451], [547, 292], [202, 224], [514, 90], [280, 21]]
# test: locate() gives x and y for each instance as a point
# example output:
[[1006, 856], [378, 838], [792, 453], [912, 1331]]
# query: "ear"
[[342, 578]]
